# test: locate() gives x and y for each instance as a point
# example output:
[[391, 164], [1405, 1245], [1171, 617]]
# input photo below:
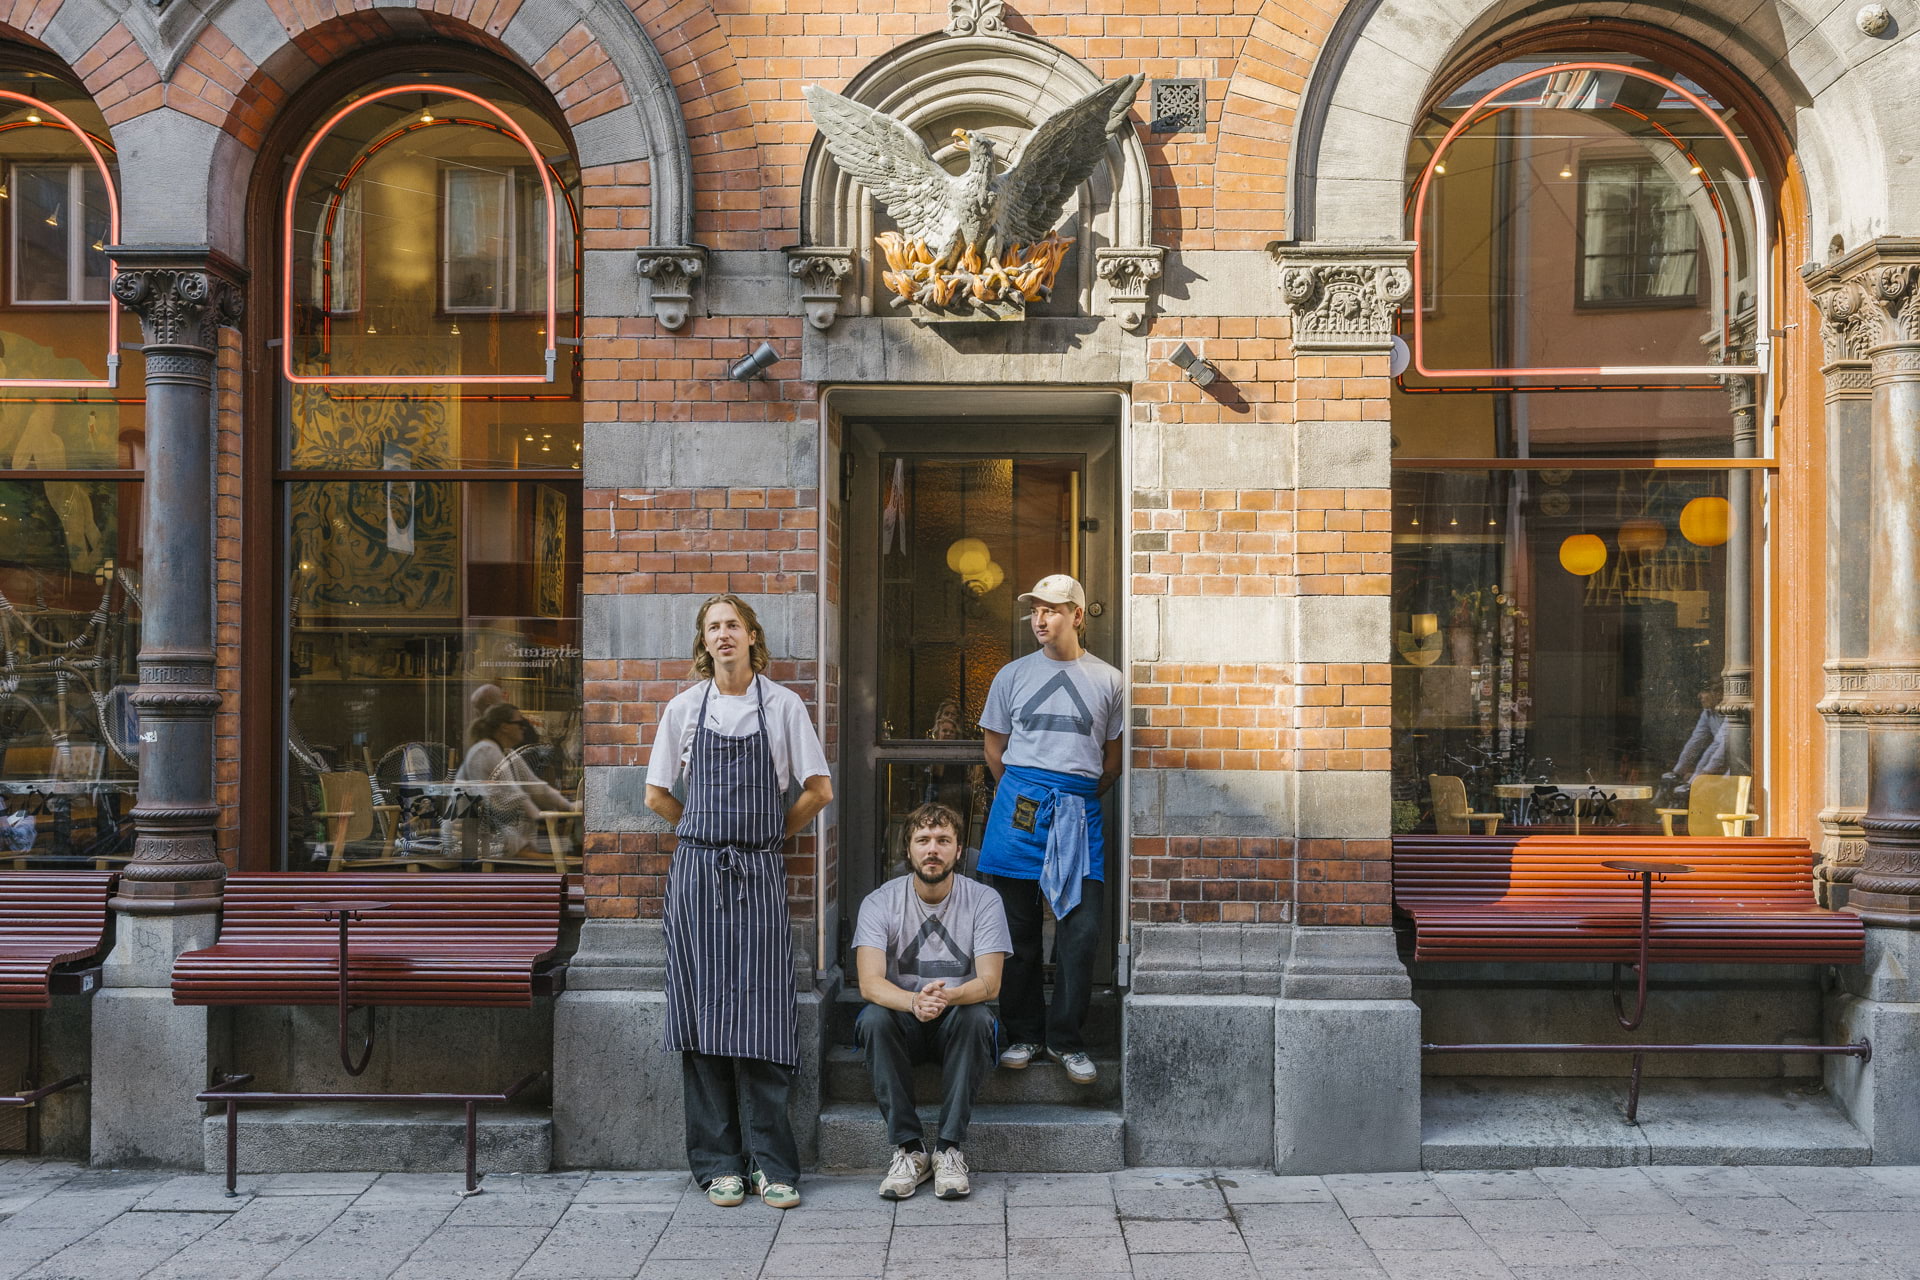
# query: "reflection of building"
[[475, 432]]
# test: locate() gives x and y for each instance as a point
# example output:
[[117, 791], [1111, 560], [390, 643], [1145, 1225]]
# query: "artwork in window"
[[550, 553], [345, 564], [477, 273], [60, 232], [1639, 243]]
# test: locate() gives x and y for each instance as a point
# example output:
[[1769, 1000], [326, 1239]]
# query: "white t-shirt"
[[1057, 716], [797, 753], [922, 942]]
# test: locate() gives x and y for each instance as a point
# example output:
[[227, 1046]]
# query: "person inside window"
[[495, 737]]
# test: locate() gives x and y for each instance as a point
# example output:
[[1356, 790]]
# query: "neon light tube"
[[1762, 255], [112, 380], [429, 379]]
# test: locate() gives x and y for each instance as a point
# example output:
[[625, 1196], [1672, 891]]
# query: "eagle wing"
[[1057, 158], [887, 158]]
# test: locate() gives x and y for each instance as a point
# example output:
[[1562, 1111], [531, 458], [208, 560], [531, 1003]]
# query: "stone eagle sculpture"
[[986, 234]]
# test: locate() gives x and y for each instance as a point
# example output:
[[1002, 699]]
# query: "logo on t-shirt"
[[1036, 720], [927, 963]]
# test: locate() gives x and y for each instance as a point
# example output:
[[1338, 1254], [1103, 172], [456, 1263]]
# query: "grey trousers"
[[961, 1040], [719, 1093]]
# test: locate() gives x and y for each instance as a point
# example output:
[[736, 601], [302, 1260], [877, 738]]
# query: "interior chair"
[[1716, 805], [1451, 817], [500, 820], [349, 812]]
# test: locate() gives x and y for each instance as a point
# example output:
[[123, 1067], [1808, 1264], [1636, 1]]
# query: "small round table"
[[347, 910]]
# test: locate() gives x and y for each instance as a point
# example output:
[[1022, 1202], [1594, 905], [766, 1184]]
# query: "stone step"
[[1045, 1081], [1025, 1137], [364, 1137], [1504, 1122]]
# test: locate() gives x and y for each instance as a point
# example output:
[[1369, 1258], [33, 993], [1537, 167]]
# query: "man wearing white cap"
[[1052, 726]]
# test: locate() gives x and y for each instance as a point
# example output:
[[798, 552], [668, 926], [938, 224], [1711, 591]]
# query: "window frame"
[[1643, 165], [76, 238]]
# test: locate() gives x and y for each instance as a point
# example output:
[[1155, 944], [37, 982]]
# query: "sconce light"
[[973, 560], [1583, 555], [1423, 625], [1706, 522], [749, 367], [1199, 372]]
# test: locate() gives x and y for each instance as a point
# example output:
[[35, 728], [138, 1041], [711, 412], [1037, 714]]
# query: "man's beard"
[[924, 878]]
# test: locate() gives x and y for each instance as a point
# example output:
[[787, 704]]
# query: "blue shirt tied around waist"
[[1064, 846]]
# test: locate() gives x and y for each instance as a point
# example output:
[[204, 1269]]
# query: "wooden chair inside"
[[1451, 817], [349, 813], [75, 762], [1716, 806]]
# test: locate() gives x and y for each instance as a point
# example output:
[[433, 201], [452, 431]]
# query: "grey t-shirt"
[[924, 942], [1056, 715]]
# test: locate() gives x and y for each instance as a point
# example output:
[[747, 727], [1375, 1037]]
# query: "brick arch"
[[1352, 118], [235, 72]]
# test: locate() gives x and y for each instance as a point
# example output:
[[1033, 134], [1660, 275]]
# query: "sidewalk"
[[62, 1222]]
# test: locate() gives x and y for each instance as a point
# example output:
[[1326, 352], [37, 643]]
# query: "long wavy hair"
[[757, 652]]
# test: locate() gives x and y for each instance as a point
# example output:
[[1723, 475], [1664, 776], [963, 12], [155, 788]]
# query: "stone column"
[[1845, 336], [1736, 666], [182, 301], [1346, 1031], [150, 1056], [1880, 284]]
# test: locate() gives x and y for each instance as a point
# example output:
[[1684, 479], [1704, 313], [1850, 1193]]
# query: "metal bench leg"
[[473, 1150], [1633, 1089], [233, 1143]]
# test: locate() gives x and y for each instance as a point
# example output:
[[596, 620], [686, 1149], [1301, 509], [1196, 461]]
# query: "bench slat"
[[48, 918]]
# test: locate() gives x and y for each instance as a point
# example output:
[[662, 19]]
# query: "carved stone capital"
[[1868, 298], [974, 18], [821, 272], [1343, 297], [181, 304], [1130, 273], [672, 271]]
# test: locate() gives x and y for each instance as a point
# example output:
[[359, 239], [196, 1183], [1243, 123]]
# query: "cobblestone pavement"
[[63, 1222]]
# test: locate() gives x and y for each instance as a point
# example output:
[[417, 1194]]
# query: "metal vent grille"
[[1179, 106]]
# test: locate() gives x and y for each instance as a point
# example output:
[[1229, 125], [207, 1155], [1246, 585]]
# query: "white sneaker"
[[1080, 1068], [950, 1175], [904, 1176], [1015, 1057]]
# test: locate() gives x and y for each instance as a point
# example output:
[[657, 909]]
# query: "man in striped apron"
[[734, 744]]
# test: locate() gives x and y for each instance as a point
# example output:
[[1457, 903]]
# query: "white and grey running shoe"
[[1080, 1068], [950, 1180], [904, 1176], [1015, 1057]]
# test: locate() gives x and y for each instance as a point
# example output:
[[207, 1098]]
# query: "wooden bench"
[[53, 936], [1557, 899], [378, 939]]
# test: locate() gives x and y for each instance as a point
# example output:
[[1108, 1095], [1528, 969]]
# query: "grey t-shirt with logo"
[[923, 942], [1057, 716]]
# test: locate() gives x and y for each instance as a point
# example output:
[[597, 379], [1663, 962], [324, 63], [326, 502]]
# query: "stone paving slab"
[[1644, 1222]]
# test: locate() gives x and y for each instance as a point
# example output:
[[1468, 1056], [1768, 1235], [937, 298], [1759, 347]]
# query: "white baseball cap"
[[1056, 588]]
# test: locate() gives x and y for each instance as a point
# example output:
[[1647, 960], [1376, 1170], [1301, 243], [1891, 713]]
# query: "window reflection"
[[1562, 640], [69, 638], [434, 674]]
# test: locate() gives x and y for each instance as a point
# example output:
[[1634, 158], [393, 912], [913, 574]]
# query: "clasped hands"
[[931, 1000]]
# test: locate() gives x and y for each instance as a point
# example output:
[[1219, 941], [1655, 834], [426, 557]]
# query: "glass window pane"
[[964, 787], [478, 272], [435, 675], [1561, 639], [69, 637], [960, 538], [42, 207]]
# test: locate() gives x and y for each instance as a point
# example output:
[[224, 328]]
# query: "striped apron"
[[730, 985]]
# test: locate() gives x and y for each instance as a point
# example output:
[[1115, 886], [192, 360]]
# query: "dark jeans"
[[1076, 941], [961, 1040], [719, 1092]]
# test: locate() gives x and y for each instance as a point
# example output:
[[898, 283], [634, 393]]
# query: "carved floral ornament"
[[1875, 305], [672, 271], [1342, 299], [179, 308]]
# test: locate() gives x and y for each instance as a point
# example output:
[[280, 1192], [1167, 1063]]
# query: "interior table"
[[1578, 792]]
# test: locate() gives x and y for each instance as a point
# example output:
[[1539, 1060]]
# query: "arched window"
[[1581, 445], [72, 448], [429, 491]]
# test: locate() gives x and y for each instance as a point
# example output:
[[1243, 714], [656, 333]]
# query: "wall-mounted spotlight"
[[764, 357], [1199, 372]]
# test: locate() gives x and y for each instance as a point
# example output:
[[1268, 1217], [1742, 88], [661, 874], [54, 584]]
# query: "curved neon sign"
[[1763, 292], [513, 128], [113, 234]]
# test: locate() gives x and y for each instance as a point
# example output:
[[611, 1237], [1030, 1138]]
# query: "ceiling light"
[[1440, 168], [1566, 171]]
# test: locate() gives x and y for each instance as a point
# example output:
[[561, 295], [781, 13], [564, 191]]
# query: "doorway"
[[947, 524]]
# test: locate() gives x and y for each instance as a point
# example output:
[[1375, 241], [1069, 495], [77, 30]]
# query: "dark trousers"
[[1076, 942], [961, 1040], [719, 1093]]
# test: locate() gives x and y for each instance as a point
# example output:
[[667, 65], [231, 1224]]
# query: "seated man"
[[930, 945]]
